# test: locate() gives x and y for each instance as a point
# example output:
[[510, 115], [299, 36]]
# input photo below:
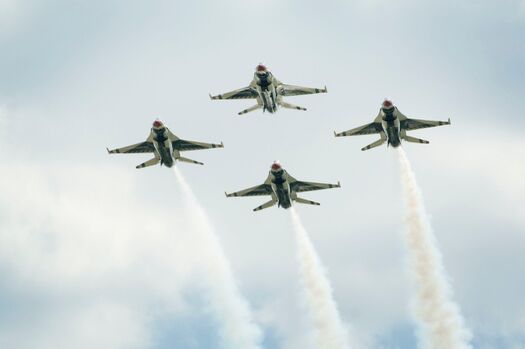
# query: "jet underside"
[[281, 189], [268, 98], [268, 92], [391, 128]]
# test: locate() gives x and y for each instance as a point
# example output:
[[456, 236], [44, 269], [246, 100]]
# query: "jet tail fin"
[[151, 162], [291, 106], [306, 202], [255, 107], [181, 159], [414, 139], [265, 205], [374, 144]]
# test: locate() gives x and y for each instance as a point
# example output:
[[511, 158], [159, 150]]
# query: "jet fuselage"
[[163, 145], [391, 126], [281, 188], [265, 85]]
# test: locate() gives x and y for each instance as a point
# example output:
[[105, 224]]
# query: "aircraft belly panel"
[[282, 191], [284, 198], [268, 101], [391, 128], [165, 155]]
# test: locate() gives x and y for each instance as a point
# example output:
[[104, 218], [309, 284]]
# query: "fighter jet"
[[165, 146], [282, 188], [268, 92], [392, 127]]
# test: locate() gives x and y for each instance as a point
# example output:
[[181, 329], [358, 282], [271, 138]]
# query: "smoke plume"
[[439, 318], [239, 329], [329, 329]]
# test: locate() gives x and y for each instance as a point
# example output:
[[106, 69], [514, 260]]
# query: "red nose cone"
[[276, 166], [260, 68], [157, 123], [387, 104]]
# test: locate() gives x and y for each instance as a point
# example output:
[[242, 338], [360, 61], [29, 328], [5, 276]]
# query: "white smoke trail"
[[440, 320], [329, 329], [239, 329]]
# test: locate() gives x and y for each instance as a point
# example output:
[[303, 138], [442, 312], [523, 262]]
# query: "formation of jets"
[[390, 124]]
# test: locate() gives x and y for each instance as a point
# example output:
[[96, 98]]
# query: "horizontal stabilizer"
[[306, 202], [151, 162], [265, 205], [291, 106], [414, 139], [180, 158], [375, 144], [255, 107]]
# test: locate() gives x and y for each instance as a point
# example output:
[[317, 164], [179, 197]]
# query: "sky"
[[94, 253]]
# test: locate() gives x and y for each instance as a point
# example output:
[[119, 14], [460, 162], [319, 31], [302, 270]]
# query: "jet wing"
[[258, 190], [290, 90], [372, 128], [300, 186], [143, 147], [242, 93], [184, 145], [368, 129], [415, 124]]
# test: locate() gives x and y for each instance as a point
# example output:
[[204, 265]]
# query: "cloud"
[[84, 263], [12, 13], [3, 120], [100, 325], [521, 6]]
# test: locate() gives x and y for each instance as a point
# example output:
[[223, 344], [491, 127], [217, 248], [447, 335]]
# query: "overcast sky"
[[97, 254]]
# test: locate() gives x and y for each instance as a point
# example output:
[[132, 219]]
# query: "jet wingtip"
[[338, 184], [325, 89]]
